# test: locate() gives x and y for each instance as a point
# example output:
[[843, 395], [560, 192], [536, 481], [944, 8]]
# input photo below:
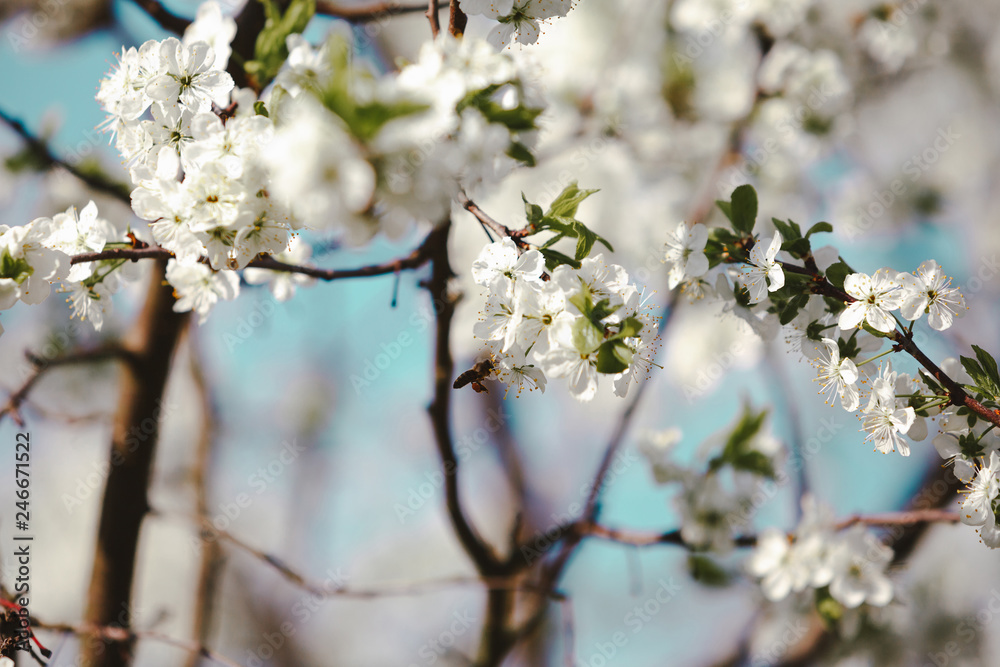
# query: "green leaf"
[[518, 119], [819, 227], [706, 571], [838, 272], [798, 248], [984, 381], [788, 233], [744, 209], [630, 328], [521, 153], [554, 258], [792, 308], [568, 201], [613, 357], [586, 337], [260, 109], [754, 462], [988, 363], [532, 211], [270, 50], [738, 451], [726, 208]]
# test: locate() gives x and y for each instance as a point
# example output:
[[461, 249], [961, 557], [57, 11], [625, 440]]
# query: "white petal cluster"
[[518, 20], [851, 563], [535, 331]]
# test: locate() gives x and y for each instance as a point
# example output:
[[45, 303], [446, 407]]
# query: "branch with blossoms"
[[841, 319]]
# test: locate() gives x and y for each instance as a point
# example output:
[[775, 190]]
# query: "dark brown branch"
[[904, 341], [457, 20], [904, 518], [414, 260], [210, 567], [152, 340], [516, 235], [393, 589], [432, 16], [439, 410], [47, 158], [116, 635], [163, 16], [365, 13], [134, 254], [96, 355]]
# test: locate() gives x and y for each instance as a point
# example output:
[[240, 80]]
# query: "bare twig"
[[210, 568], [432, 16], [42, 152], [167, 19], [516, 235], [120, 635], [152, 340], [482, 554], [365, 13], [414, 260], [96, 355]]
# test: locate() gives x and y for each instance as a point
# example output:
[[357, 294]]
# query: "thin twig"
[[439, 410], [432, 16], [120, 635], [41, 150], [516, 235], [414, 260], [95, 355], [365, 13], [167, 19], [210, 567]]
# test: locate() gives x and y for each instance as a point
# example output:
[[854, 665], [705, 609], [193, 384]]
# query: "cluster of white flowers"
[[560, 325], [520, 17], [715, 502], [223, 177], [34, 255], [852, 562]]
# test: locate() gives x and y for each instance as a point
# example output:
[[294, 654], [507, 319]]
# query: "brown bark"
[[152, 341]]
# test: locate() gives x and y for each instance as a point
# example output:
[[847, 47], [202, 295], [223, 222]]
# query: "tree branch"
[[457, 20], [152, 339], [432, 16], [167, 19], [210, 567], [516, 235], [48, 159], [117, 635], [96, 355], [365, 13], [439, 410], [415, 259]]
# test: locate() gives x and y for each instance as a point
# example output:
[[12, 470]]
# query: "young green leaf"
[[744, 209], [568, 201]]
